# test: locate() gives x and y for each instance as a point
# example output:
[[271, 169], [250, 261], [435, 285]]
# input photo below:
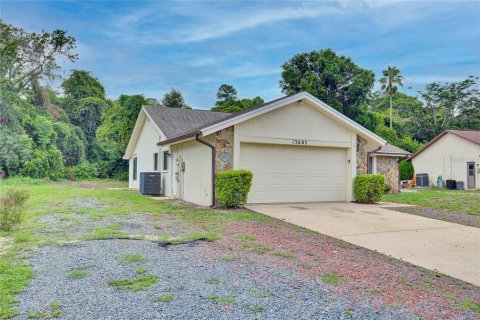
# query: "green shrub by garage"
[[369, 188], [232, 187]]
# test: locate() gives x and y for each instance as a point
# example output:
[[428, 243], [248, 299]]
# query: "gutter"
[[213, 165]]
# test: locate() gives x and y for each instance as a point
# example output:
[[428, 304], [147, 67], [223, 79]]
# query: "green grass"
[[168, 297], [141, 270], [223, 299], [77, 273], [130, 258], [54, 310], [332, 278], [467, 201], [468, 305], [284, 255], [212, 281], [112, 231], [135, 284], [254, 307], [246, 238]]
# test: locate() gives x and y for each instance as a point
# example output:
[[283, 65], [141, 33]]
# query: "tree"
[[391, 78], [46, 163], [334, 79], [71, 142], [81, 84], [447, 106], [226, 94], [28, 57], [174, 99], [15, 150]]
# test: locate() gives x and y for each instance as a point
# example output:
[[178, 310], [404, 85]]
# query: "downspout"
[[213, 165]]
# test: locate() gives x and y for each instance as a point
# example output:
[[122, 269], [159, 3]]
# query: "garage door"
[[294, 173]]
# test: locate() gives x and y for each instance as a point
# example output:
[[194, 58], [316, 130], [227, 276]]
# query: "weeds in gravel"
[[332, 278], [267, 293], [77, 273], [246, 238], [54, 310], [190, 238], [109, 232], [135, 284], [14, 276], [261, 249], [212, 281], [141, 270], [284, 255], [228, 257], [254, 307], [223, 299], [349, 313], [467, 304], [129, 258], [168, 297]]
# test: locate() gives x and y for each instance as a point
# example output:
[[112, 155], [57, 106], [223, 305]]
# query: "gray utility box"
[[150, 183], [422, 180]]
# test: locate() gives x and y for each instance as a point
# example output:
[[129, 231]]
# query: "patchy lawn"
[[461, 207], [91, 250]]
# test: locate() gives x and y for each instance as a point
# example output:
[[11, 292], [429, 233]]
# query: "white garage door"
[[294, 173]]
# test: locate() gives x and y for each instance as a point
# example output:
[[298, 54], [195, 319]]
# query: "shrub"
[[12, 208], [369, 188], [83, 171], [387, 188], [44, 164], [232, 187], [406, 170]]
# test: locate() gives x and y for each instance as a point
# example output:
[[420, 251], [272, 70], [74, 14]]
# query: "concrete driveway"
[[446, 247]]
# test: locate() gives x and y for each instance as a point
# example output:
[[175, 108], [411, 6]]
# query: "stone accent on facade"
[[388, 166], [362, 156], [224, 150]]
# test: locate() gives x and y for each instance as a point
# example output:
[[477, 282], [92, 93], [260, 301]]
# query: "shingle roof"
[[175, 122], [388, 149], [470, 135]]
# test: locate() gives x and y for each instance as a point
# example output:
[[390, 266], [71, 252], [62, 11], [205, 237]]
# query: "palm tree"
[[391, 78]]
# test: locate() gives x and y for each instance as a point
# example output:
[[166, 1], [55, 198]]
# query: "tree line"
[[80, 133]]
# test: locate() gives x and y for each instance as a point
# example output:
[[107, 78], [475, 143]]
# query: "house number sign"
[[299, 141]]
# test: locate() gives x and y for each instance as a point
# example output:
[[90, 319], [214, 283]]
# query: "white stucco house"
[[298, 148], [453, 154]]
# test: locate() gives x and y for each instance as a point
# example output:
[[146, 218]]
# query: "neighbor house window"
[[370, 165], [155, 161], [135, 168], [165, 160]]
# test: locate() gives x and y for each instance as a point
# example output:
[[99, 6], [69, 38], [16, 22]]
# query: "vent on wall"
[[150, 183]]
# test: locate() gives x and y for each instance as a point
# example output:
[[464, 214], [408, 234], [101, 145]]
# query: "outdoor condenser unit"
[[150, 183]]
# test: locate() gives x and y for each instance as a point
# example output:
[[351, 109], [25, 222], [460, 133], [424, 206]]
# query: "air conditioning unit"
[[150, 183]]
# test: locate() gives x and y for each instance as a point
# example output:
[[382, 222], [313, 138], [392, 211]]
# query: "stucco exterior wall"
[[224, 149], [388, 166], [362, 156], [195, 183], [144, 149], [448, 157]]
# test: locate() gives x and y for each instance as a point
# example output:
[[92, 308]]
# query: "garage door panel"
[[294, 174]]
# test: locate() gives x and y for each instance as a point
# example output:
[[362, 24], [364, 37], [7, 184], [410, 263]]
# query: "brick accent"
[[362, 156], [388, 166], [224, 148]]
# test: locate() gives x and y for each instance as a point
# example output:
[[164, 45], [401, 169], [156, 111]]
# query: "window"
[[370, 165], [165, 160], [135, 168], [155, 161]]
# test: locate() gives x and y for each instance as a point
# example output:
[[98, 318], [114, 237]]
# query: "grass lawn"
[[466, 201], [96, 210]]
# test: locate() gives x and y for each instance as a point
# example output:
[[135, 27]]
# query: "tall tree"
[[174, 99], [81, 84], [29, 57], [334, 79], [226, 93], [390, 80]]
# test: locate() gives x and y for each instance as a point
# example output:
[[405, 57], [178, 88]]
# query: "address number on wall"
[[299, 141]]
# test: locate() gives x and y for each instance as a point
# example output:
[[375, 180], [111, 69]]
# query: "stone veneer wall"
[[388, 166], [362, 156], [224, 148]]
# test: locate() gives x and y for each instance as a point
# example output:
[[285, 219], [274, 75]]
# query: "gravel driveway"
[[203, 286]]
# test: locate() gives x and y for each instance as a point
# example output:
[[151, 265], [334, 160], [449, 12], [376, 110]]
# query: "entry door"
[[294, 173], [471, 175]]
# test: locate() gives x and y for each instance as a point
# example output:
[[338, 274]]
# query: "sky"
[[193, 46]]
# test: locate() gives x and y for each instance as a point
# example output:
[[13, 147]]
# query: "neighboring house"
[[298, 148], [453, 154], [384, 160]]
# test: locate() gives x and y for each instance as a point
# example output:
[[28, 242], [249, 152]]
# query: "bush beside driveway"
[[100, 252]]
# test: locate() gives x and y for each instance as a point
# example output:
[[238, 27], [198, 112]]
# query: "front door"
[[471, 175]]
